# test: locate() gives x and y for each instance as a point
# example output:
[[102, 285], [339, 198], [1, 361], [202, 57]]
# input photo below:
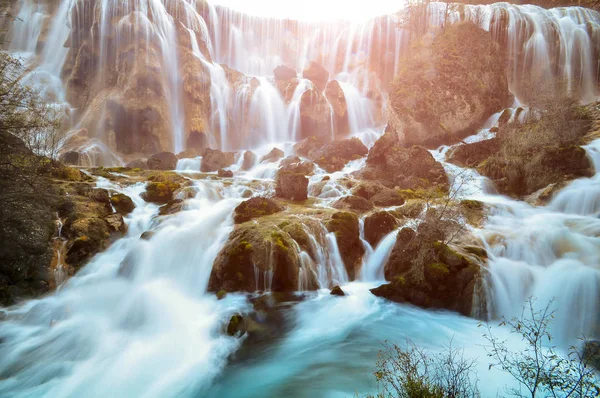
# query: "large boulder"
[[215, 159], [334, 156], [291, 185], [249, 161], [122, 203], [429, 273], [316, 73], [283, 72], [378, 225], [378, 194], [353, 203], [162, 161], [305, 147], [405, 168], [274, 155], [473, 154], [162, 186], [296, 165], [450, 86], [253, 208], [346, 229]]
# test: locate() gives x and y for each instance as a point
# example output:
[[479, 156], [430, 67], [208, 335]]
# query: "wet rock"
[[473, 154], [316, 73], [137, 164], [452, 98], [71, 158], [122, 203], [250, 159], [197, 141], [100, 195], [378, 194], [337, 291], [354, 203], [419, 169], [171, 207], [308, 145], [273, 156], [345, 227], [253, 208], [378, 225], [334, 156], [161, 187], [89, 236], [315, 115], [225, 173], [236, 326], [295, 165], [337, 99], [291, 185], [147, 235], [116, 223], [215, 159], [162, 161], [283, 72]]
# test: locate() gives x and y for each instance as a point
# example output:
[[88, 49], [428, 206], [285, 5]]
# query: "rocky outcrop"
[[162, 161], [378, 225], [122, 203], [253, 208], [296, 165], [450, 87], [345, 227], [162, 186], [337, 291], [405, 168], [428, 273], [215, 159], [274, 155], [316, 73]]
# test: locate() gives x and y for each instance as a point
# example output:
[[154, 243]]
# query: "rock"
[[147, 235], [378, 225], [256, 256], [137, 164], [354, 203], [315, 115], [283, 72], [295, 165], [337, 100], [100, 195], [291, 185], [337, 291], [250, 159], [273, 156], [345, 226], [225, 173], [215, 159], [122, 203], [191, 153], [161, 187], [89, 236], [473, 154], [431, 274], [253, 208], [171, 207], [162, 161], [197, 141], [450, 86], [116, 223], [71, 158], [308, 145], [419, 170], [334, 156], [236, 326], [316, 73]]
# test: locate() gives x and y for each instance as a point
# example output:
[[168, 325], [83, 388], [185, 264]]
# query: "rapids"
[[138, 321]]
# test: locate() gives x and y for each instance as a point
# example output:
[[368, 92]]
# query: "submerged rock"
[[253, 208], [337, 291], [236, 326], [162, 161]]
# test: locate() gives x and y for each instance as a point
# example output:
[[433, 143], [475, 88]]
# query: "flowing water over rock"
[[138, 320]]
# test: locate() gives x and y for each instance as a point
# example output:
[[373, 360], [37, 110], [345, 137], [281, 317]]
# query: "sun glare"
[[315, 10]]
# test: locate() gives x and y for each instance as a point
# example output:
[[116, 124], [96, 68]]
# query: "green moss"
[[221, 294], [439, 269], [279, 241]]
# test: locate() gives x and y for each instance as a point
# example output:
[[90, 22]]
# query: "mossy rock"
[[254, 208], [345, 227], [122, 203]]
